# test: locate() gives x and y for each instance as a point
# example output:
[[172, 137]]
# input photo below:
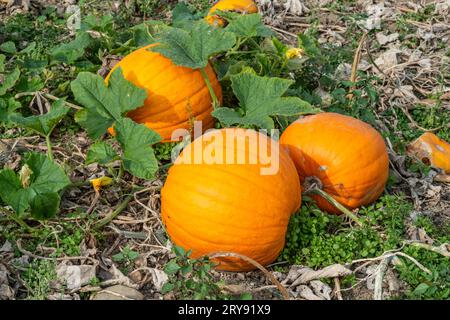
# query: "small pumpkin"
[[342, 155], [176, 95], [242, 6], [432, 150], [210, 205]]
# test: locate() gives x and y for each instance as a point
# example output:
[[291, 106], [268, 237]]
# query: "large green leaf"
[[8, 108], [261, 98], [12, 193], [105, 104], [7, 81], [45, 205], [248, 25], [136, 140], [43, 124], [194, 46], [44, 180], [47, 176], [94, 123], [101, 152], [73, 50]]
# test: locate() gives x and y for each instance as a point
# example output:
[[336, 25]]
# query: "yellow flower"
[[24, 175], [101, 182], [293, 53]]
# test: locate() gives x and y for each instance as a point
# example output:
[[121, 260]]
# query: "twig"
[[441, 249], [269, 275], [378, 290], [337, 289], [48, 96]]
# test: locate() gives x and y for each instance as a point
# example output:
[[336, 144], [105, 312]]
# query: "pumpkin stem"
[[314, 186], [210, 88]]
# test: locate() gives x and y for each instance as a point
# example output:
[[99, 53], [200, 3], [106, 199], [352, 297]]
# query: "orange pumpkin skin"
[[346, 155], [243, 6], [432, 150], [176, 95], [230, 207]]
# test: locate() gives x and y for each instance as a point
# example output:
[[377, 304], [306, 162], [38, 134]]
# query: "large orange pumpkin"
[[243, 6], [233, 206], [176, 95], [344, 156]]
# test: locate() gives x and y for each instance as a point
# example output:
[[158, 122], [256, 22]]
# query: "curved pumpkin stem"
[[280, 287], [210, 88], [335, 203]]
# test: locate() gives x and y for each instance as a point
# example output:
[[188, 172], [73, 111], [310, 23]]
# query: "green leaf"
[[179, 251], [260, 98], [171, 267], [12, 193], [8, 47], [421, 289], [193, 47], [142, 35], [47, 176], [45, 205], [136, 140], [167, 287], [7, 81], [8, 108], [309, 45], [182, 15], [94, 123], [110, 102], [248, 25], [73, 50], [101, 152], [43, 124]]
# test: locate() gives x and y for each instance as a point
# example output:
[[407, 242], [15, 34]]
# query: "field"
[[387, 65]]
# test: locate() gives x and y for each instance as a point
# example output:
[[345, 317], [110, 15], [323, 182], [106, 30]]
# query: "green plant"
[[191, 278], [38, 278]]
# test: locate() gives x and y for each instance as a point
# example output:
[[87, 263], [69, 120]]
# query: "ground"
[[386, 64]]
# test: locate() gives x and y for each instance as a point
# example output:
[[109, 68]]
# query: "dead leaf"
[[75, 276]]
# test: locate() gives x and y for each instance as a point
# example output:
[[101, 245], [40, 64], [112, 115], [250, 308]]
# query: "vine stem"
[[49, 147], [210, 88], [335, 203], [103, 222], [17, 220]]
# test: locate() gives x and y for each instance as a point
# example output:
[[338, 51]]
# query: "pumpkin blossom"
[[294, 53], [98, 183]]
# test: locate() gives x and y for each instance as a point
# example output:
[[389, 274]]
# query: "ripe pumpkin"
[[210, 206], [175, 95], [346, 157], [432, 150], [242, 6]]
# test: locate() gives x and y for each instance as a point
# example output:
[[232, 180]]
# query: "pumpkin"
[[432, 150], [343, 156], [243, 6], [176, 95], [211, 205]]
